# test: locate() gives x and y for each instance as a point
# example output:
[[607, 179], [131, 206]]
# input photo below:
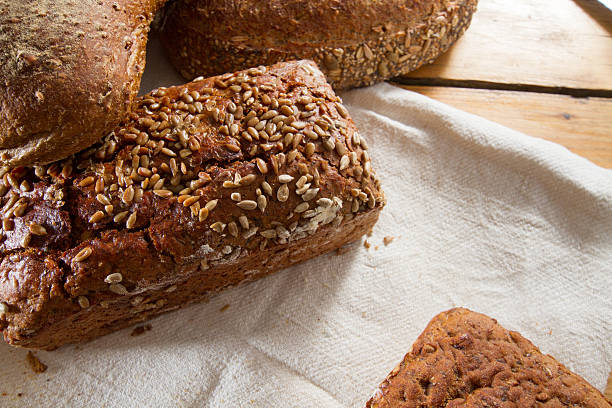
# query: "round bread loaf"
[[355, 42], [69, 70]]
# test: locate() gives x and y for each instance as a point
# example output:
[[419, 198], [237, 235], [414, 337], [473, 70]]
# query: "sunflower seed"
[[232, 228], [268, 233], [344, 162], [340, 148], [83, 302], [128, 195], [120, 216], [97, 216], [102, 199], [218, 227], [285, 178], [83, 254], [342, 110], [247, 204], [118, 289], [300, 208], [310, 194], [244, 222], [163, 193], [247, 180], [37, 229], [87, 181], [283, 193], [131, 221], [203, 214], [211, 205], [262, 202], [114, 278], [190, 201], [309, 150]]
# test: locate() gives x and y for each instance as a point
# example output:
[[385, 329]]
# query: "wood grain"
[[583, 125], [562, 44]]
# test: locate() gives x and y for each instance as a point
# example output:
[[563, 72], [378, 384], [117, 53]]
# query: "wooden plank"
[[583, 125], [563, 43]]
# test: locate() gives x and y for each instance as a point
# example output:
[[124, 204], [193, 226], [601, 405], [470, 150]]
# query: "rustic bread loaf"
[[466, 359], [355, 43], [206, 185], [69, 71]]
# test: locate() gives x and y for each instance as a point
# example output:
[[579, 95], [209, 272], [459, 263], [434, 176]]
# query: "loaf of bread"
[[355, 43], [206, 185], [69, 71], [466, 359]]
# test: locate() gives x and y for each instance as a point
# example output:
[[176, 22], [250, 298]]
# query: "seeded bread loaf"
[[466, 359], [206, 185], [355, 43], [69, 71]]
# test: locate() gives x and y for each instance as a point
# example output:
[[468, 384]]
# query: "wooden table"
[[540, 67]]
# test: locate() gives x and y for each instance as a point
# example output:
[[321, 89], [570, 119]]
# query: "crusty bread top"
[[69, 70], [293, 23], [466, 359], [210, 171]]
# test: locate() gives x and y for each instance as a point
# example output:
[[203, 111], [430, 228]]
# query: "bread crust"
[[466, 359], [356, 43], [206, 185], [69, 71]]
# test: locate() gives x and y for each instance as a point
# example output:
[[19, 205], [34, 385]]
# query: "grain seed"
[[83, 302], [283, 193], [211, 205], [131, 221], [163, 193], [83, 254], [344, 162], [247, 204], [203, 214], [262, 202], [114, 278], [96, 217], [37, 229], [244, 222], [86, 181], [232, 228], [118, 289], [285, 178], [310, 194], [190, 201]]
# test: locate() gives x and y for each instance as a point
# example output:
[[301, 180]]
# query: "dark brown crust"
[[466, 359], [69, 71], [51, 298], [356, 43]]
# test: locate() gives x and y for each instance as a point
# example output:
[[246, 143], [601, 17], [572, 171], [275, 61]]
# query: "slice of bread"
[[466, 359]]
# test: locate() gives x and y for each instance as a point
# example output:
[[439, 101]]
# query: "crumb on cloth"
[[138, 330], [224, 308], [35, 364], [388, 239]]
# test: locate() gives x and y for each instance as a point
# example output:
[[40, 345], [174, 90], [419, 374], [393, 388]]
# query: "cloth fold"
[[478, 216]]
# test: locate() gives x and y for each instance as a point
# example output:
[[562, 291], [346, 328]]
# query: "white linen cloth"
[[482, 216]]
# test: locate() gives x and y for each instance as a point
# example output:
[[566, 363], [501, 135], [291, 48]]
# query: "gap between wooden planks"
[[583, 125]]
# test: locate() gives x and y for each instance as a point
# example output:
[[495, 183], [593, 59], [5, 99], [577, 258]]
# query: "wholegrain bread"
[[466, 359], [206, 185], [356, 43], [69, 71]]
